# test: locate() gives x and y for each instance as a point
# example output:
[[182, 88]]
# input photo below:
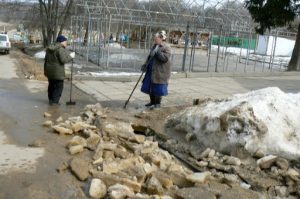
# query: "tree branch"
[[66, 15]]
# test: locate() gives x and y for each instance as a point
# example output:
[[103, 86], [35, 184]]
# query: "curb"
[[189, 75]]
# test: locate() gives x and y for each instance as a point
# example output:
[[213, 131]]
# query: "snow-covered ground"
[[279, 59], [232, 50], [118, 57], [111, 74], [40, 55], [115, 45], [75, 65], [266, 45], [266, 119]]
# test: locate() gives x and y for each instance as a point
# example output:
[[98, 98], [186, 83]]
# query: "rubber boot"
[[152, 101], [157, 102]]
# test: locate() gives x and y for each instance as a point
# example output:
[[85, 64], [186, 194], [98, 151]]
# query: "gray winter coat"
[[161, 70]]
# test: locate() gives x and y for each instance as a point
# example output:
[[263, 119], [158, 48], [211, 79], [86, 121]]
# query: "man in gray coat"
[[54, 68]]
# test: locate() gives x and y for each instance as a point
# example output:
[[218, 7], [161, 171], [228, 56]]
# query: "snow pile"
[[69, 65], [40, 55], [115, 45], [266, 45], [109, 74], [232, 50], [266, 119], [278, 62], [124, 57]]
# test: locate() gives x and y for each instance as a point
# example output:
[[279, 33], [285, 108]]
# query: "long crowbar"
[[148, 62], [71, 102], [126, 103]]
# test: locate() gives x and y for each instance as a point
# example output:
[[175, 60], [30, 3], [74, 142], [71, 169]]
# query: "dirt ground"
[[32, 68]]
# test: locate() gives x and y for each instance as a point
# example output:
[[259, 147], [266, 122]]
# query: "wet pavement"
[[31, 172]]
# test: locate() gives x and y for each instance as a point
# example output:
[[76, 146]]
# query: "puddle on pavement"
[[14, 158]]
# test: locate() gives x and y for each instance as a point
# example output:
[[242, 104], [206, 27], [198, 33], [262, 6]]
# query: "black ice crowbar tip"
[[126, 103], [70, 103]]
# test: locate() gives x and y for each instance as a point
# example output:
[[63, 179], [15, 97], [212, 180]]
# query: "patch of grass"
[[30, 67]]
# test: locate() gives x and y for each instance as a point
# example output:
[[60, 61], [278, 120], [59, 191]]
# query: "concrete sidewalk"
[[184, 90]]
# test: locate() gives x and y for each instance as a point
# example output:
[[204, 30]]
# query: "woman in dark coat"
[[158, 71]]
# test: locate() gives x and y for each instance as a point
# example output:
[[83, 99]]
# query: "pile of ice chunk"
[[266, 119]]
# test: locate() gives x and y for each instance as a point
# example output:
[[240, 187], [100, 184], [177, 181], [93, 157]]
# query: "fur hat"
[[162, 34], [61, 39]]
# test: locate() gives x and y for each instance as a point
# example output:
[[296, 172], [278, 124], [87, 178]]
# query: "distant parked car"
[[4, 43]]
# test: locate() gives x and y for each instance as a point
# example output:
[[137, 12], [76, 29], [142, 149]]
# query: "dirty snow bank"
[[40, 55], [125, 57], [232, 50], [266, 119], [108, 74], [111, 74], [115, 45]]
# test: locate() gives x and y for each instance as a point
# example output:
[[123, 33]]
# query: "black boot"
[[157, 101], [152, 101]]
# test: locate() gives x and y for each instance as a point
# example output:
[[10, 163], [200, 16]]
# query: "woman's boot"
[[157, 101], [152, 101]]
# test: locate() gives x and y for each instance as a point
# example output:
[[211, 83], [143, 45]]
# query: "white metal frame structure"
[[96, 20]]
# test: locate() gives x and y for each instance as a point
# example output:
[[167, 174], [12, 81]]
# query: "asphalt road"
[[31, 172]]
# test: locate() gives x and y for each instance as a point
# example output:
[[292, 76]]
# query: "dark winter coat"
[[56, 58], [161, 71]]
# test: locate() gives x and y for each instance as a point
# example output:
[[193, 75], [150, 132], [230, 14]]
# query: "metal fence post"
[[88, 39], [209, 50], [216, 69], [274, 51], [108, 49]]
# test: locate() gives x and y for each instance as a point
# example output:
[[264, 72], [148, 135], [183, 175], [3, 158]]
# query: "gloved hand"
[[153, 52], [72, 54], [144, 68], [158, 51]]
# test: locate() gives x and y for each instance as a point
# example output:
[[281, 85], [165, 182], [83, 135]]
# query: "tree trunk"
[[42, 17], [66, 15], [45, 41], [86, 36], [52, 21], [55, 20], [294, 64]]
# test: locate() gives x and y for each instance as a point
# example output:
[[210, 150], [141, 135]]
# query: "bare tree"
[[54, 15], [12, 11]]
